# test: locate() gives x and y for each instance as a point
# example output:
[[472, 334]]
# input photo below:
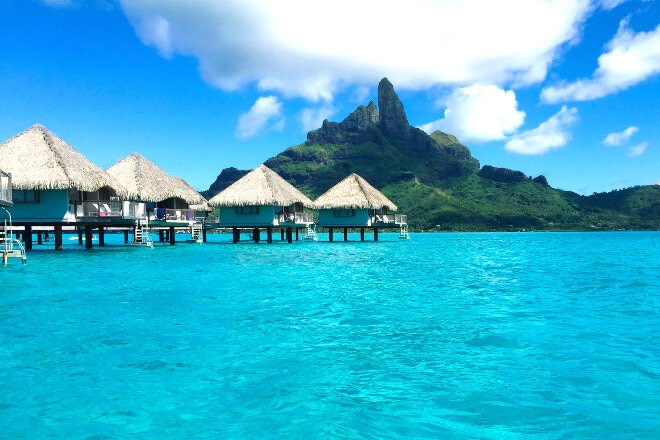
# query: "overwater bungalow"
[[262, 199], [170, 201], [53, 184], [354, 203]]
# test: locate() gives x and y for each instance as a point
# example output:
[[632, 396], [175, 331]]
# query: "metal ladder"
[[142, 235], [196, 231], [403, 234], [9, 246], [310, 235]]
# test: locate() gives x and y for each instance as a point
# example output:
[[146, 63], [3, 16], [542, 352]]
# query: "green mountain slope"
[[435, 180], [381, 147]]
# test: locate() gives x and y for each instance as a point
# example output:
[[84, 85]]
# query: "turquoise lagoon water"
[[516, 336]]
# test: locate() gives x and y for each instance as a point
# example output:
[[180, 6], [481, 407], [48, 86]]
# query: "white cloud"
[[264, 110], [550, 134], [608, 5], [631, 58], [311, 49], [155, 31], [312, 118], [615, 139], [479, 113], [638, 149]]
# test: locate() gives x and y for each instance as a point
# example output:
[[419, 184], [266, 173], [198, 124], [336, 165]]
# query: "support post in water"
[[58, 237], [88, 236]]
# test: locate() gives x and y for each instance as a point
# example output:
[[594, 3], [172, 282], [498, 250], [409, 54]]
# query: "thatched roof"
[[353, 192], [202, 205], [150, 183], [261, 186], [39, 160]]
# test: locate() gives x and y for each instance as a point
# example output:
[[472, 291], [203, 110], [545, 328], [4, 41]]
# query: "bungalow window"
[[25, 196], [247, 210], [343, 212]]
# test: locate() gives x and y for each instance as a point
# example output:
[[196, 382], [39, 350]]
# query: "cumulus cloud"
[[265, 110], [630, 59], [638, 149], [312, 49], [479, 113], [610, 4], [549, 135], [615, 139]]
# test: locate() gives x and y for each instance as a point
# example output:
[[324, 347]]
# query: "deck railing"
[[108, 208], [179, 215], [297, 217], [397, 219]]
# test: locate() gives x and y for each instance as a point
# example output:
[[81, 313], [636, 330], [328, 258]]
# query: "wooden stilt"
[[126, 236], [282, 234], [256, 235], [172, 235], [269, 235], [297, 235], [236, 235], [161, 235], [375, 234], [101, 236], [80, 236], [289, 234], [88, 236], [330, 231], [361, 234], [58, 237], [27, 238], [204, 235], [345, 234], [39, 238]]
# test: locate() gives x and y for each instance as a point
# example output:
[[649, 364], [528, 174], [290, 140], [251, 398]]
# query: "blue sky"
[[564, 88]]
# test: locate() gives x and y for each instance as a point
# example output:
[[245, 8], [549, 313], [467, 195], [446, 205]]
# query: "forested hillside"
[[435, 180]]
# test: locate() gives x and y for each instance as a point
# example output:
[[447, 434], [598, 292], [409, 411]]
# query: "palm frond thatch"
[[261, 186], [39, 160], [194, 199], [353, 192], [150, 183]]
